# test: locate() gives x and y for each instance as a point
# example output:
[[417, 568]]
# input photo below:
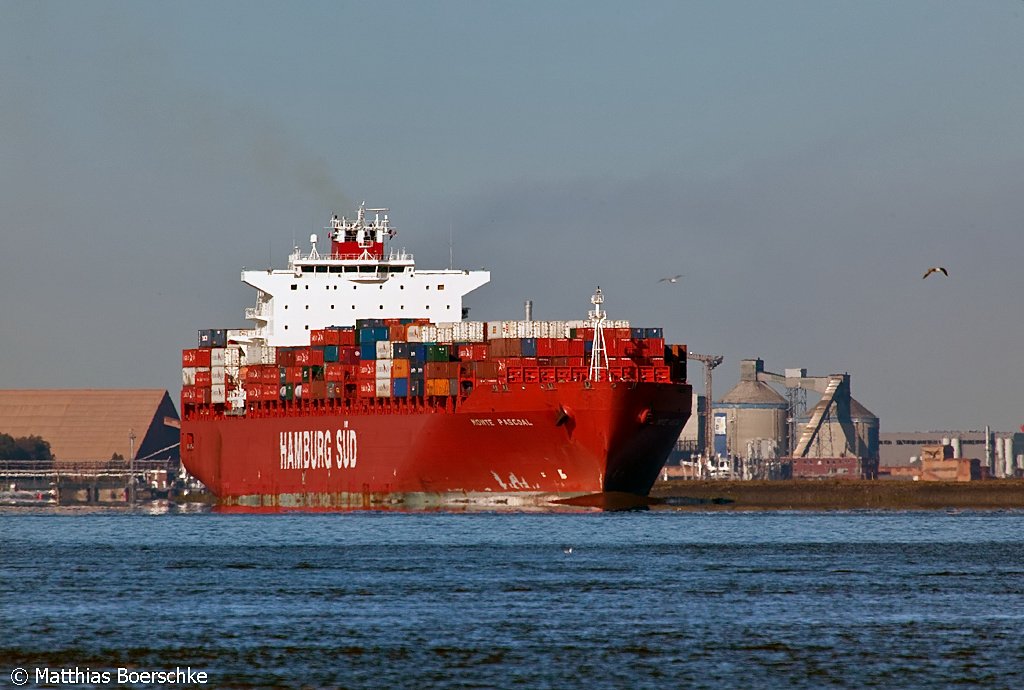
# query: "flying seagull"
[[673, 279], [935, 269]]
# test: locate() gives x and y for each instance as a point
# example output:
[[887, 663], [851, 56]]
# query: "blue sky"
[[802, 163]]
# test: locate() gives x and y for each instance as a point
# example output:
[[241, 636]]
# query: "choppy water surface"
[[658, 600]]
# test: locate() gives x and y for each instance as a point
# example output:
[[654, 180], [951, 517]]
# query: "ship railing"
[[393, 256]]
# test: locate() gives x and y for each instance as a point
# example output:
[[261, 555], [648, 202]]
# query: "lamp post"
[[131, 467]]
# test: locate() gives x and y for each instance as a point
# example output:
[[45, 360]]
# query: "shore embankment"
[[1002, 494]]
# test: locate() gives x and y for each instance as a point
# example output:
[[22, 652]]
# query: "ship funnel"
[[528, 305]]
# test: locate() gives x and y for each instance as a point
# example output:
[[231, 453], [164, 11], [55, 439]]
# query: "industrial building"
[[759, 432], [1000, 454], [93, 428]]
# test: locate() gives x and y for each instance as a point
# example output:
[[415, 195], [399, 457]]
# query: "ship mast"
[[599, 355]]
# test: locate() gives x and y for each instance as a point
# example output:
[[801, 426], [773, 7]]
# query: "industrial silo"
[[754, 414]]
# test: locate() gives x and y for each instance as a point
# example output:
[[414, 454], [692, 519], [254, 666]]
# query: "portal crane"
[[710, 362]]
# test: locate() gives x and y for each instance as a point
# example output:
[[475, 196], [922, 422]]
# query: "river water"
[[658, 599]]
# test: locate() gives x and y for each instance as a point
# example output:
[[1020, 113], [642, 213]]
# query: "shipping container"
[[383, 368], [367, 369], [384, 350], [368, 351], [400, 387], [442, 386], [372, 335], [383, 388], [218, 393], [437, 353], [195, 358]]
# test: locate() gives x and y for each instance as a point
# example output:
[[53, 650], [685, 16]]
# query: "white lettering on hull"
[[318, 450], [504, 421]]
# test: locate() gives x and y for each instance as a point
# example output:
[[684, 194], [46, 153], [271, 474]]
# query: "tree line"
[[24, 448]]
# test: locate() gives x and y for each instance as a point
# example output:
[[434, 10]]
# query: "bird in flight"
[[673, 279], [935, 269]]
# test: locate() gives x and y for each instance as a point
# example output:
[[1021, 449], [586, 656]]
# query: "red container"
[[335, 372], [293, 375], [317, 337], [441, 370], [396, 332], [198, 357], [367, 369], [346, 336], [474, 352], [367, 388], [203, 378], [284, 357], [308, 357]]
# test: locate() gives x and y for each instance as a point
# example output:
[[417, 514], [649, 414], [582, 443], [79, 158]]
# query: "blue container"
[[654, 333], [400, 388], [416, 388], [400, 350], [637, 333], [372, 335], [529, 347], [330, 353], [368, 350], [588, 346], [417, 352]]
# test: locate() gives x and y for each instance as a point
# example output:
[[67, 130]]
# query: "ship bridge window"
[[440, 287], [321, 269], [307, 269], [294, 286]]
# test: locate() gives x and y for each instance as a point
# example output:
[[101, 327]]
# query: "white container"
[[414, 334], [218, 393], [384, 388], [218, 356], [384, 350], [188, 376], [384, 368]]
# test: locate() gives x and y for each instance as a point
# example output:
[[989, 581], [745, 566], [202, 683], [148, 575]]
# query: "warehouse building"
[[94, 428]]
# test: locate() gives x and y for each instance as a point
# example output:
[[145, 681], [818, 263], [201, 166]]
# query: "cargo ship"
[[361, 383]]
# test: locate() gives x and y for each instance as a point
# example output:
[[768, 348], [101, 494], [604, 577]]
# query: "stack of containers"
[[440, 374], [382, 358]]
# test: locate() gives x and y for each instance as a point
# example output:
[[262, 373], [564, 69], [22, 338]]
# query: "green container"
[[437, 353], [288, 391]]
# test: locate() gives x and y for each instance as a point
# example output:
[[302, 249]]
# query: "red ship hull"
[[517, 443]]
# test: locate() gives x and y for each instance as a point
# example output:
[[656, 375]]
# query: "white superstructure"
[[354, 280]]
